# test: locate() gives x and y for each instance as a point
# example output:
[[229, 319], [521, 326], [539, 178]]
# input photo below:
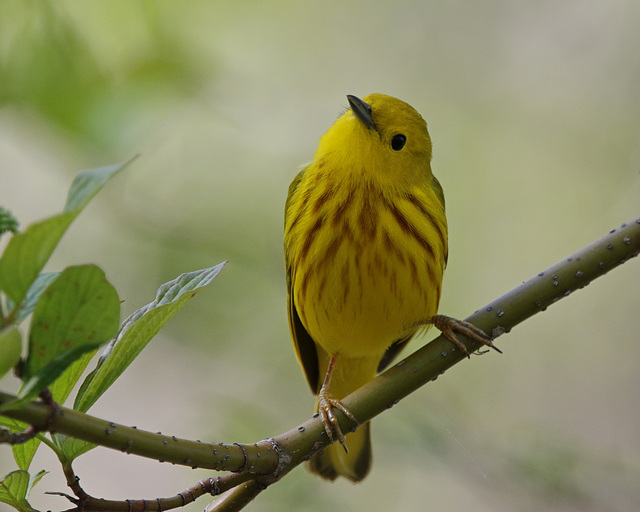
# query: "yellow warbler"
[[365, 249]]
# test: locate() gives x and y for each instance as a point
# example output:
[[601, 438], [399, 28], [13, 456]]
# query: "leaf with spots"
[[75, 314]]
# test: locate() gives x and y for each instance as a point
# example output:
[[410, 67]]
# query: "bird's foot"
[[449, 326], [326, 403]]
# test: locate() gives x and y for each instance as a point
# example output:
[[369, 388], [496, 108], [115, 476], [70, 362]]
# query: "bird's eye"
[[398, 142]]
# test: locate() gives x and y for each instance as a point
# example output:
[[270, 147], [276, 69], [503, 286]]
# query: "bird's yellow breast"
[[367, 261]]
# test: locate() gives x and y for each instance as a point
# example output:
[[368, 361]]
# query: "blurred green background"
[[534, 111]]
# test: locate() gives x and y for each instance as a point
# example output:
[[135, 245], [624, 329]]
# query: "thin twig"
[[237, 498], [214, 486]]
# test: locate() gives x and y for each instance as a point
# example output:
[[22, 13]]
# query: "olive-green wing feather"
[[437, 188], [306, 350]]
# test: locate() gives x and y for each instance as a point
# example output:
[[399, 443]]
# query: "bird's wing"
[[306, 350]]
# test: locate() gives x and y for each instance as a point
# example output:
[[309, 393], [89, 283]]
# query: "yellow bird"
[[365, 250]]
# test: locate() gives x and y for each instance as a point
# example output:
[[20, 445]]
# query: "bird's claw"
[[326, 403], [449, 326]]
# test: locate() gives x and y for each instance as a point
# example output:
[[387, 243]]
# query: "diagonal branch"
[[269, 460], [426, 364]]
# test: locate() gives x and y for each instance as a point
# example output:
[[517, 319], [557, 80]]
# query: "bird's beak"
[[361, 110]]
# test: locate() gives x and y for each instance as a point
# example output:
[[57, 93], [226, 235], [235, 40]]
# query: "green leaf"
[[27, 252], [34, 480], [23, 453], [7, 221], [47, 375], [79, 309], [68, 448], [33, 294], [62, 387], [10, 349], [75, 314], [88, 183], [137, 330], [15, 488]]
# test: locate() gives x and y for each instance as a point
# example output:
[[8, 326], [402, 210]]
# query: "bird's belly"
[[359, 302]]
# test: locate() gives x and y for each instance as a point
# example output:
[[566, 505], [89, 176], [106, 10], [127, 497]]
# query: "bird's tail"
[[334, 461]]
